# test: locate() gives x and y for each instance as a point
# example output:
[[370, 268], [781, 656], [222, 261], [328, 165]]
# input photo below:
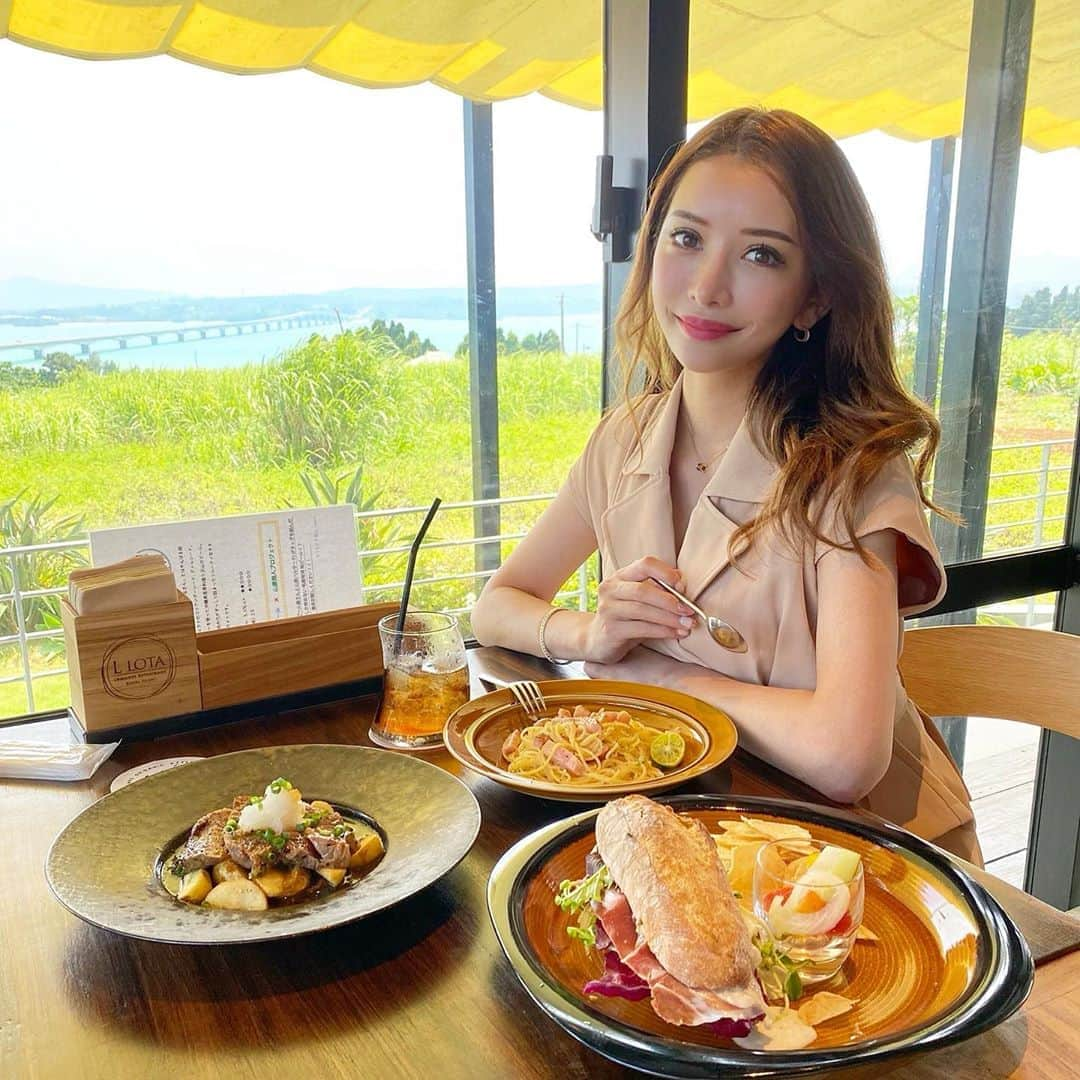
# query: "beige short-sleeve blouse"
[[622, 489]]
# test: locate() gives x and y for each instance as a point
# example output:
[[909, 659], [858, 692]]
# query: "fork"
[[530, 697], [527, 694]]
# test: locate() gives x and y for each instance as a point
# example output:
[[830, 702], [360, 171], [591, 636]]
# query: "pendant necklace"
[[702, 464]]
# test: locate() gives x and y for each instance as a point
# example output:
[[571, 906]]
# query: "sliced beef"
[[329, 851], [205, 843], [313, 848], [250, 851], [315, 851]]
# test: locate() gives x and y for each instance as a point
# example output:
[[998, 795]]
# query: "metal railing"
[[21, 592], [1043, 472]]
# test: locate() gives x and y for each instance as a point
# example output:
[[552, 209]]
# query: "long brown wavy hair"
[[831, 412]]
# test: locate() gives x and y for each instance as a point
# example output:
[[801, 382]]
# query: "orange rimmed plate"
[[475, 733], [948, 962]]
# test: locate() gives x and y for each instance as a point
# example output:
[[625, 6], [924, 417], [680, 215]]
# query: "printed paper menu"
[[252, 567]]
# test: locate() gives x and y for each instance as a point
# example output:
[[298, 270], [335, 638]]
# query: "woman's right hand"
[[632, 609]]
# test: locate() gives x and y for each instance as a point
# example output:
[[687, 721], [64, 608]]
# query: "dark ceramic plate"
[[103, 867], [948, 962]]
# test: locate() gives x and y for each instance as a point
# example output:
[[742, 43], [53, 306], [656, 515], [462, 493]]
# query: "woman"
[[764, 472]]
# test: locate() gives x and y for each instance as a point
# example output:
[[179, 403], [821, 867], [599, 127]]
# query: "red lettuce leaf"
[[730, 1029], [617, 981]]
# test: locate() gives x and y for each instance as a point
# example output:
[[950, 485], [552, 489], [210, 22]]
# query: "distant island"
[[17, 307], [1033, 284]]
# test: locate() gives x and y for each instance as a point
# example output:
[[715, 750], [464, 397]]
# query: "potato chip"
[[741, 874], [824, 1005], [800, 847], [726, 842], [864, 933], [740, 829], [778, 830]]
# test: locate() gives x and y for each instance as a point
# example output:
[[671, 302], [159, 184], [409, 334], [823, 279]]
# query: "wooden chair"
[[1008, 672]]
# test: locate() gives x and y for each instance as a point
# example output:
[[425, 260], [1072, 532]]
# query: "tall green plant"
[[346, 487], [26, 521], [329, 398]]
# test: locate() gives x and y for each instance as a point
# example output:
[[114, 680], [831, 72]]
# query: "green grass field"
[[141, 446]]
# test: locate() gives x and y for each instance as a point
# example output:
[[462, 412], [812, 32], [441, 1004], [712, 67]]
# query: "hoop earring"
[[801, 335]]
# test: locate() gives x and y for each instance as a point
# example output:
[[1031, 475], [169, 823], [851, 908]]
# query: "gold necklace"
[[703, 464]]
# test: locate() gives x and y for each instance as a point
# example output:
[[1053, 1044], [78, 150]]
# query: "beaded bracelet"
[[544, 650]]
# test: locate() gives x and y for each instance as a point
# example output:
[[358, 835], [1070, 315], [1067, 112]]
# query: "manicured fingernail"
[[684, 621]]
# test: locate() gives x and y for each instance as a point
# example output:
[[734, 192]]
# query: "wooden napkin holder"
[[144, 672], [127, 667], [286, 656]]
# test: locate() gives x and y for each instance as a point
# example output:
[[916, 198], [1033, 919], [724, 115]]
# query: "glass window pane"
[[320, 230], [549, 269], [1039, 382]]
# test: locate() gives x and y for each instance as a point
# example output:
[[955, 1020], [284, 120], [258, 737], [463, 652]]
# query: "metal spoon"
[[723, 633]]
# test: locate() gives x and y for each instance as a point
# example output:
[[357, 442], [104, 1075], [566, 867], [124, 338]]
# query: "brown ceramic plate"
[[474, 734], [104, 866], [948, 963]]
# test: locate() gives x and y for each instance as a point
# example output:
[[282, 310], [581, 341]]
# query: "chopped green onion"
[[279, 785], [277, 841]]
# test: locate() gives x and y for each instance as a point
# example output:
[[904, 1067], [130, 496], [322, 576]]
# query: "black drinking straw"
[[412, 565]]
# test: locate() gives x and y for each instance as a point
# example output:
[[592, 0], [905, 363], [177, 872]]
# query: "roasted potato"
[[322, 807], [371, 847], [194, 887], [227, 870], [237, 894], [332, 874], [282, 881]]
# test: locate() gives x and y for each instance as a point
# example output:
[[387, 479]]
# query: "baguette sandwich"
[[666, 919]]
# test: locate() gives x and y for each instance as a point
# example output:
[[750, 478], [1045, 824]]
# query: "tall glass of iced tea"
[[426, 679]]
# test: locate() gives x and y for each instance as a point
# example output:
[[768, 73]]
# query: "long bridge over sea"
[[136, 339]]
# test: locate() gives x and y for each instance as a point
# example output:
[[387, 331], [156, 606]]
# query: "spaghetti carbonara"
[[582, 747]]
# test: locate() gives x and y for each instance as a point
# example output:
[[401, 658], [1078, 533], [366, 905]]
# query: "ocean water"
[[583, 334]]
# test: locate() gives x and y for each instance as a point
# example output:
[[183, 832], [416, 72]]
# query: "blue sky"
[[162, 175]]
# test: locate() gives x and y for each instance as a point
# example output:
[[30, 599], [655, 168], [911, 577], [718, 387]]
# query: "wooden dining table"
[[419, 990]]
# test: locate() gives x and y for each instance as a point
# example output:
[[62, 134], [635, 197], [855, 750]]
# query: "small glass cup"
[[426, 679], [811, 914]]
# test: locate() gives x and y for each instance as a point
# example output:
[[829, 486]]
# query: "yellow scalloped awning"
[[853, 65]]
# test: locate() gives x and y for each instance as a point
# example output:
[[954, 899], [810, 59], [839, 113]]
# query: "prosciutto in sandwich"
[[666, 919]]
